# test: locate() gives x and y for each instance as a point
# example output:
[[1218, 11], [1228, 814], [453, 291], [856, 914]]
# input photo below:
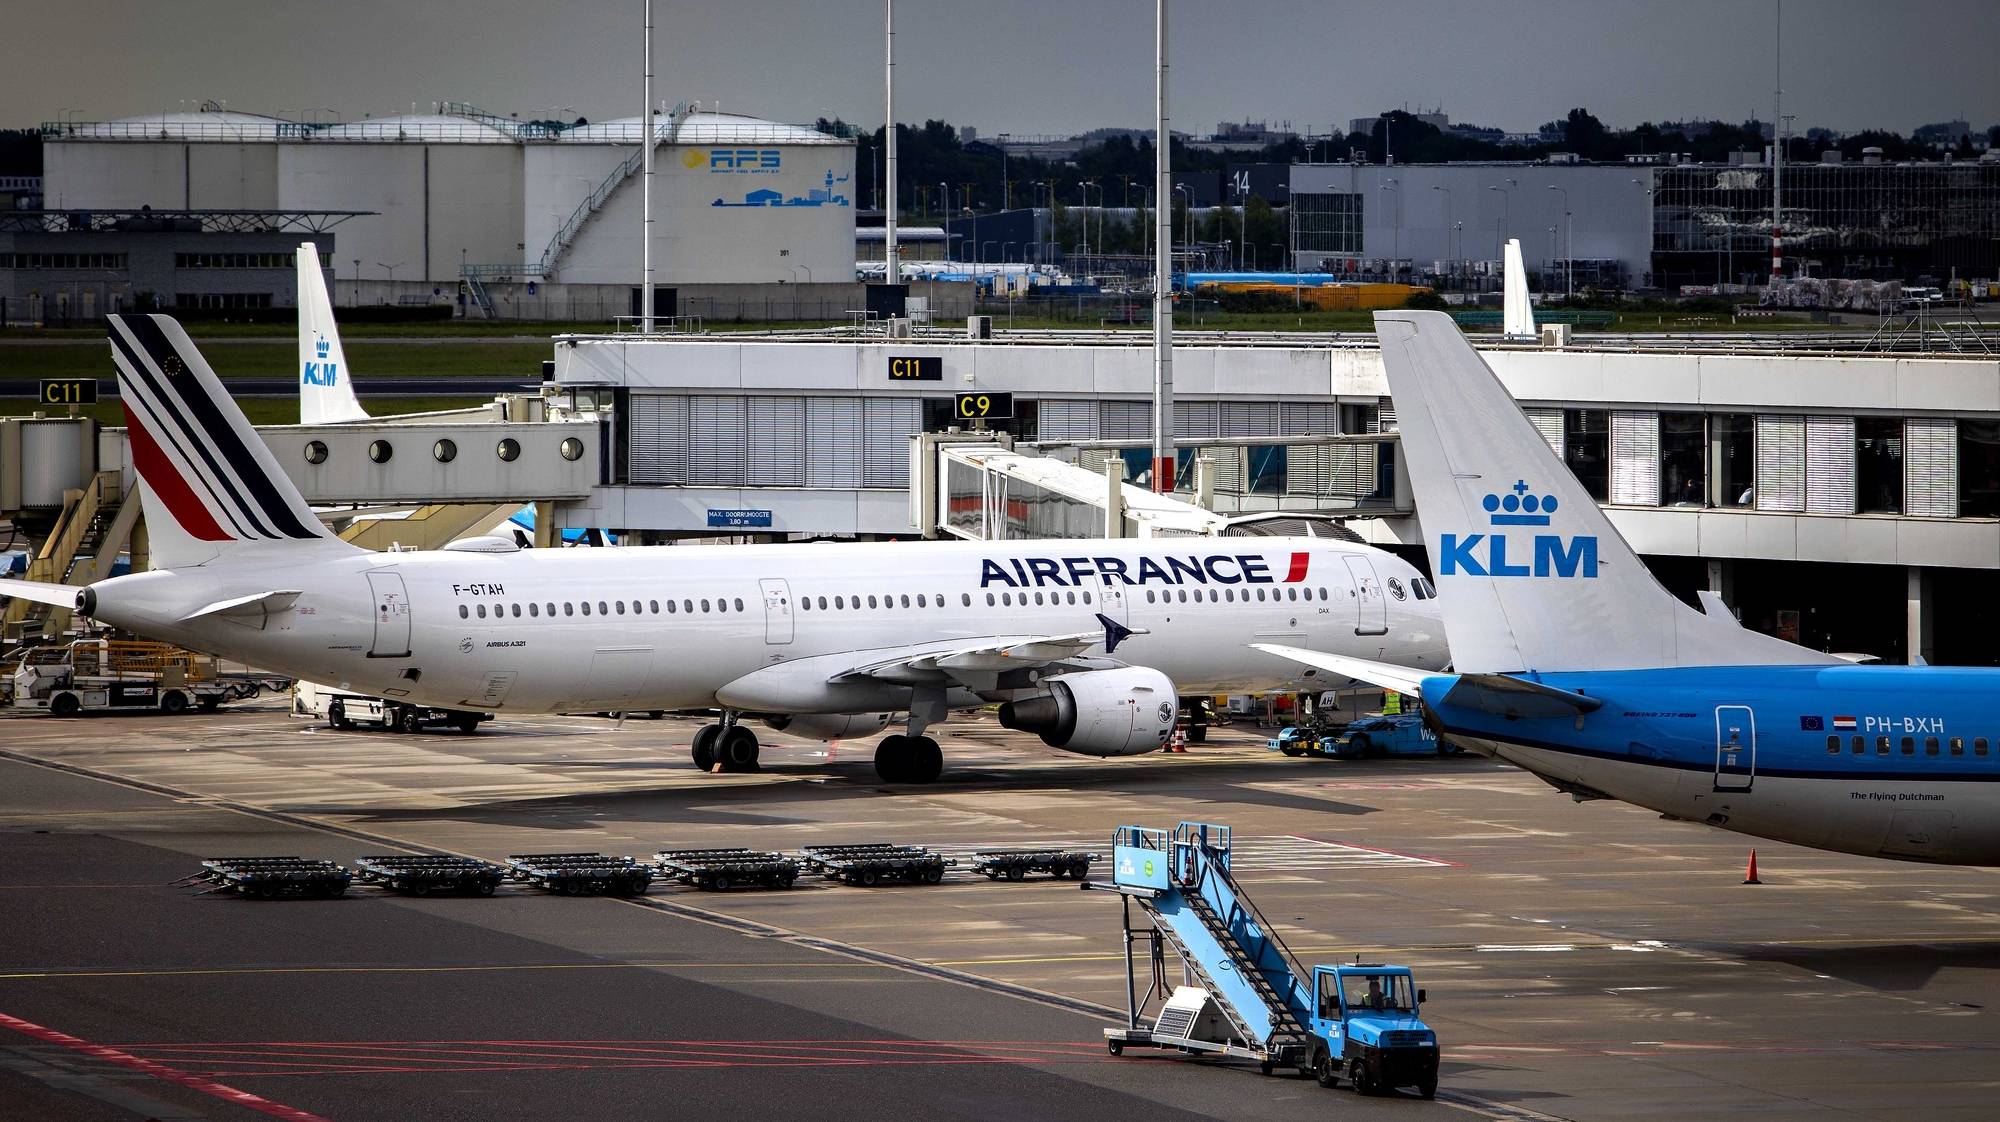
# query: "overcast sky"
[[1022, 66]]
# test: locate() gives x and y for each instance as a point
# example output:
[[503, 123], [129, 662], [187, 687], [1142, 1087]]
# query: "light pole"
[[357, 279], [1396, 242], [1447, 221], [1569, 248], [392, 274], [1083, 219], [1499, 242]]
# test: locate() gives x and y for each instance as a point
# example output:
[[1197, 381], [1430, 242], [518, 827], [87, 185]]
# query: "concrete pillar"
[[1722, 580], [1114, 497], [1920, 635], [546, 536]]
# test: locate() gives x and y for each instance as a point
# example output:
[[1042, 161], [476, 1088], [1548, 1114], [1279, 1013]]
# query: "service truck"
[[99, 675], [346, 709]]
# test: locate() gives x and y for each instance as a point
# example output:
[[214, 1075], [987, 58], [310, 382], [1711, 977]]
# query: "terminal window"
[[1733, 436], [1878, 465], [1978, 468], [1682, 448], [1587, 449]]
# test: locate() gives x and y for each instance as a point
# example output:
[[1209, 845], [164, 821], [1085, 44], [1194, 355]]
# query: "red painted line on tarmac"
[[159, 1071]]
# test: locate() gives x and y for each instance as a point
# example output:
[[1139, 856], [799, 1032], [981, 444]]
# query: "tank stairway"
[[1222, 939], [567, 233]]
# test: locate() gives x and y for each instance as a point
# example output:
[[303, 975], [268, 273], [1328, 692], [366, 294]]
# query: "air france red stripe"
[[1298, 570], [166, 481]]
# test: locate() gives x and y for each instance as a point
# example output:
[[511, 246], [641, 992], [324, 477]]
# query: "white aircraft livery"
[[326, 385], [1086, 643], [1571, 661]]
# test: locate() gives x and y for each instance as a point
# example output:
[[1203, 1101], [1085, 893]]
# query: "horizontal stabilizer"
[[1505, 696], [1402, 679], [259, 604], [41, 592]]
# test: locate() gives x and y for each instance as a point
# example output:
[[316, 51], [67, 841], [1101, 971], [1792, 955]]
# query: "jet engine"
[[830, 726], [1099, 712]]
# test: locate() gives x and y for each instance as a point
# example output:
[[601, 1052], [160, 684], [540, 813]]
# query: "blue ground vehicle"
[[1394, 735], [1240, 991], [1365, 1019]]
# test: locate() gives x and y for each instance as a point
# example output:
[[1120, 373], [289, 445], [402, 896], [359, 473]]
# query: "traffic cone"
[[1750, 875]]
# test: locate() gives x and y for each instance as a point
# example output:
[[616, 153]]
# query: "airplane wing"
[[1402, 679], [41, 592], [1506, 696], [981, 658]]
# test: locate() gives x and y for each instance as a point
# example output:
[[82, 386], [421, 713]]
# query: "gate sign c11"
[[69, 391], [916, 368], [731, 519], [982, 406]]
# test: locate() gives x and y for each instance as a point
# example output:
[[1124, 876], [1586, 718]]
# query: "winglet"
[[1114, 632]]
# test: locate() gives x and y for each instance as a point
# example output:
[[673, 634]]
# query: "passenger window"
[[586, 607], [1007, 598], [482, 611], [1149, 596], [1979, 746], [739, 603], [839, 602], [670, 607], [1930, 745], [1291, 594], [621, 606], [534, 609], [602, 609], [687, 606], [938, 600], [920, 600], [551, 610], [1038, 598], [704, 605], [906, 601], [965, 599], [1833, 745], [871, 601], [1909, 746], [464, 612], [1958, 746], [653, 606], [989, 599], [1086, 596], [569, 609], [1857, 744], [1260, 594], [822, 603], [1881, 745]]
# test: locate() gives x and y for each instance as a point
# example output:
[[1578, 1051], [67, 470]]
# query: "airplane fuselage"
[[763, 628], [1884, 761]]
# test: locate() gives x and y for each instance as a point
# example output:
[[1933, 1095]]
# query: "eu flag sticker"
[[1812, 724]]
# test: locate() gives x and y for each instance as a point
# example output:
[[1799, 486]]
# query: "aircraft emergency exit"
[[1571, 661], [1086, 643]]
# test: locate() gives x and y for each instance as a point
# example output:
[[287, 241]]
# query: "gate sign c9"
[[69, 391], [982, 406], [916, 368]]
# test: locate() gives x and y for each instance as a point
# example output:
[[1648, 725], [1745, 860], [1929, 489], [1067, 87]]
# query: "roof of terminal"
[[454, 123]]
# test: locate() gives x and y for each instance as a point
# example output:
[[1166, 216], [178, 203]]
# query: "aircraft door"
[[392, 616], [1735, 747], [777, 610], [1111, 599], [1371, 607]]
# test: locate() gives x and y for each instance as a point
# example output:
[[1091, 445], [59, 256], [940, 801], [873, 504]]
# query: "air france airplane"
[[1087, 643], [1571, 661]]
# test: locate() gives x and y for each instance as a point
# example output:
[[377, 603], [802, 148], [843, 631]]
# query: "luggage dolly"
[[876, 863], [719, 870], [1016, 864], [421, 876], [272, 878], [580, 874]]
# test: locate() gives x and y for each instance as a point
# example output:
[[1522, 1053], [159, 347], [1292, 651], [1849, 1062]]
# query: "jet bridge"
[[987, 487]]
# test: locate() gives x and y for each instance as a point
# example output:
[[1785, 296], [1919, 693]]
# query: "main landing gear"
[[908, 759], [913, 757], [728, 743]]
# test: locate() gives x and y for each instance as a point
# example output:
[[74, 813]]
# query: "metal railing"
[[662, 325]]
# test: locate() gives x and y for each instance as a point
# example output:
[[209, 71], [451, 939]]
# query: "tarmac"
[[1583, 961]]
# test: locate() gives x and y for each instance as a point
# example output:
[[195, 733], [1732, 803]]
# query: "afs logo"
[[1552, 554], [741, 159], [320, 372]]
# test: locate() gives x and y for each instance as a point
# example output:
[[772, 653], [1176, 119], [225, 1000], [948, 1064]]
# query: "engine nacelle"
[[830, 726], [1099, 712]]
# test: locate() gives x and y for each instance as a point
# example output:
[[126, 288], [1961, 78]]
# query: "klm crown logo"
[[1520, 508], [1485, 555], [318, 371]]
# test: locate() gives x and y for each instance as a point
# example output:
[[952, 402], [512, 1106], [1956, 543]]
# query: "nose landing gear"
[[908, 759]]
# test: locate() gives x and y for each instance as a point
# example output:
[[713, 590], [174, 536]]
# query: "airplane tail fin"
[[1531, 575], [208, 485], [326, 389], [1517, 318]]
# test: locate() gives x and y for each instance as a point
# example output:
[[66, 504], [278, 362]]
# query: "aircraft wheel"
[[892, 759], [737, 749], [926, 761], [704, 746]]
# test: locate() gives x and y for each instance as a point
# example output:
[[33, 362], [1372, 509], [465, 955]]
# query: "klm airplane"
[[1571, 661]]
